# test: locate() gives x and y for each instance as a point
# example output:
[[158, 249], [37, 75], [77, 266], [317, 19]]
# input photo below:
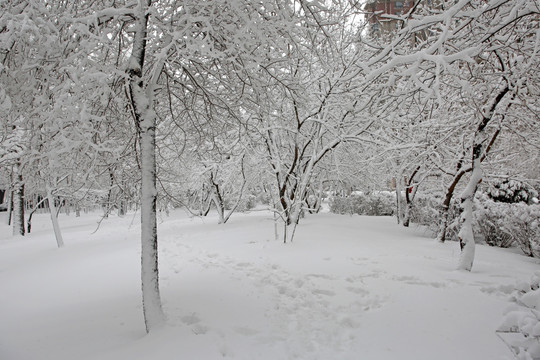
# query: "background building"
[[376, 9]]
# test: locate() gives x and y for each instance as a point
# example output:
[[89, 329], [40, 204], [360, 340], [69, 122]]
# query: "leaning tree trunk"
[[445, 208], [466, 235], [29, 221], [141, 97], [215, 196], [410, 192], [18, 202], [54, 218], [461, 171]]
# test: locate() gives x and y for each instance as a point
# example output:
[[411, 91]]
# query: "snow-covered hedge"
[[248, 202], [494, 222], [425, 211], [500, 224], [520, 329], [504, 224], [512, 191], [373, 204]]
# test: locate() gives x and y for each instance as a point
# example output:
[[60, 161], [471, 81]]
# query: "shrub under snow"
[[520, 329], [373, 204], [512, 191], [503, 224], [500, 224], [425, 211]]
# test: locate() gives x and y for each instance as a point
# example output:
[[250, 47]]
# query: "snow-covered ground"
[[346, 288]]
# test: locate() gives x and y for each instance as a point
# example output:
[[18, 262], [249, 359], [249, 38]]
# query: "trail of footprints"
[[316, 310], [300, 301]]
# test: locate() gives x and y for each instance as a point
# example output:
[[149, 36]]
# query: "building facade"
[[376, 11]]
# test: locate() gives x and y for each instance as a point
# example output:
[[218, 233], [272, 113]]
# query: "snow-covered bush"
[[492, 222], [520, 329], [373, 204], [512, 191], [500, 224], [503, 224], [248, 202], [526, 229], [342, 205], [425, 211]]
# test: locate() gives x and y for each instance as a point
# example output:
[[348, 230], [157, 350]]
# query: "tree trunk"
[[153, 312], [108, 204], [10, 208], [443, 225], [18, 203], [276, 233], [54, 218], [141, 96], [217, 199], [398, 200], [410, 193], [466, 235], [407, 215], [34, 209], [240, 194]]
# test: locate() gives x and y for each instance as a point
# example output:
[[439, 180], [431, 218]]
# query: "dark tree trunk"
[[18, 203]]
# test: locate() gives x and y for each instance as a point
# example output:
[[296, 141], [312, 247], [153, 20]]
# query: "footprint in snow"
[[357, 290], [323, 292], [360, 260], [195, 323], [246, 331], [411, 280], [405, 278], [320, 276], [359, 278], [353, 279], [199, 329], [242, 265], [284, 290], [190, 319], [501, 290]]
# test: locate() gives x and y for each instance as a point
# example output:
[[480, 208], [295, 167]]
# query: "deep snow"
[[348, 287]]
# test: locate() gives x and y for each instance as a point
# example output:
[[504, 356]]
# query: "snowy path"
[[347, 288]]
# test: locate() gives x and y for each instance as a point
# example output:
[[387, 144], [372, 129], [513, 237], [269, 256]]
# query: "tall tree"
[[141, 95]]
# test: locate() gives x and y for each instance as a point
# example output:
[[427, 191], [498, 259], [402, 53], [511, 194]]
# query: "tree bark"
[[54, 218], [443, 227], [466, 235], [410, 192], [18, 202], [29, 221], [441, 237], [398, 200], [215, 196], [141, 96], [10, 208]]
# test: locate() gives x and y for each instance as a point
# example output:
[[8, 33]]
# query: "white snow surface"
[[348, 287]]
